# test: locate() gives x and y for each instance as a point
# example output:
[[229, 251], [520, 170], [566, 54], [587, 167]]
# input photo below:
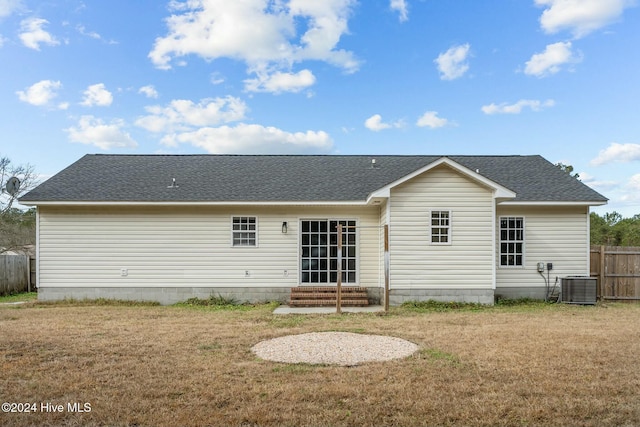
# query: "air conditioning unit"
[[579, 290]]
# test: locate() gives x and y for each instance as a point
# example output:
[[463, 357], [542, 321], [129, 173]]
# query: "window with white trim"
[[244, 230], [511, 241], [440, 227]]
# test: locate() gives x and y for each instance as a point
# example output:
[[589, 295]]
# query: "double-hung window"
[[440, 227], [511, 241], [244, 231]]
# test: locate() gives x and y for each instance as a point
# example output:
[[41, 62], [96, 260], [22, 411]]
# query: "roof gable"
[[284, 179], [499, 191]]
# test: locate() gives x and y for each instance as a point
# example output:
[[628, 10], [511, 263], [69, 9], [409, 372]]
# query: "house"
[[171, 227]]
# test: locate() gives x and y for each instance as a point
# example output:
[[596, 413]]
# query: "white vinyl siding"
[[465, 263], [558, 235], [185, 246]]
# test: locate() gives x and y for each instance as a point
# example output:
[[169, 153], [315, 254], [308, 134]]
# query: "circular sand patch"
[[334, 348]]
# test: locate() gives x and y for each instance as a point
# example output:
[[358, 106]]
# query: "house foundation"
[[479, 296]]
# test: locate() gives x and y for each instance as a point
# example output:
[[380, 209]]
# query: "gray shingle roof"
[[285, 178]]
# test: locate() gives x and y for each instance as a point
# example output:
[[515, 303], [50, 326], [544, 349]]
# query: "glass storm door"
[[319, 251]]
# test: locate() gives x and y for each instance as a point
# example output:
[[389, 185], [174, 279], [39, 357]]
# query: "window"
[[511, 241], [319, 251], [440, 227], [244, 231]]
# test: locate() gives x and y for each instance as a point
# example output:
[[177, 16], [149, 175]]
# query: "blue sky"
[[558, 78]]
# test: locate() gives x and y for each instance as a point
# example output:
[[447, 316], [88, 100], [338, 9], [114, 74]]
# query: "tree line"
[[17, 229], [17, 226], [612, 229]]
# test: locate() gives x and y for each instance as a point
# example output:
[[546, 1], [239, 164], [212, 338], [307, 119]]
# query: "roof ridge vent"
[[173, 184]]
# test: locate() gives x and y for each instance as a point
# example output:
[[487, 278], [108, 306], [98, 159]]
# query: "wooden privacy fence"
[[618, 271], [15, 274]]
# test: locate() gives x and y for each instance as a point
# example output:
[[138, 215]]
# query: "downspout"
[[386, 268], [388, 251], [494, 247], [38, 282]]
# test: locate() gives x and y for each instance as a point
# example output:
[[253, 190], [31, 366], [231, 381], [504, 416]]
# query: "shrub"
[[217, 301]]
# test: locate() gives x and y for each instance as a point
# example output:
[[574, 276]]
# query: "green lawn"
[[25, 296]]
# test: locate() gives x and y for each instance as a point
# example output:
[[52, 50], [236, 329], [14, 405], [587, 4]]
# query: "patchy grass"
[[551, 365], [438, 306], [213, 300], [115, 302], [99, 302], [520, 304], [210, 347], [219, 302], [436, 355], [21, 297]]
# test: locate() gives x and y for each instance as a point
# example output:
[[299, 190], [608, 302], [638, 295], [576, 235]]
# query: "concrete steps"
[[311, 296]]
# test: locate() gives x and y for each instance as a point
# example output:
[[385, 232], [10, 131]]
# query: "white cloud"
[[402, 8], [631, 191], [634, 182], [97, 95], [93, 131], [431, 120], [185, 115], [581, 17], [375, 123], [149, 91], [7, 7], [517, 108], [253, 139], [269, 36], [591, 181], [91, 34], [216, 78], [620, 153], [187, 122], [551, 60], [33, 35], [452, 63], [584, 176], [40, 94], [281, 82]]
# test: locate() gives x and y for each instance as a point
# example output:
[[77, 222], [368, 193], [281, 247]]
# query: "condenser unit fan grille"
[[579, 290]]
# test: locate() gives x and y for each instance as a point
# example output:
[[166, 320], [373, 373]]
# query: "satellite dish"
[[13, 185]]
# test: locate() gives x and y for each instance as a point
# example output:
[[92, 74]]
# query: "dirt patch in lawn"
[[547, 365]]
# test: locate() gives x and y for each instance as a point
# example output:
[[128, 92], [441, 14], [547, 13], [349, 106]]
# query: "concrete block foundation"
[[481, 296]]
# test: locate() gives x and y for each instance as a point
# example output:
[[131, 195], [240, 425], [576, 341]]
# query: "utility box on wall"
[[579, 290]]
